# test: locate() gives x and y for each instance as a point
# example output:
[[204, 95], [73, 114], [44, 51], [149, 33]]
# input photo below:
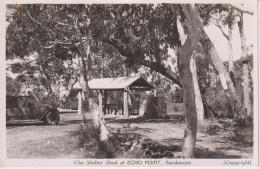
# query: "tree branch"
[[162, 70], [221, 29], [122, 50], [41, 24], [152, 65], [240, 9], [64, 24], [56, 43]]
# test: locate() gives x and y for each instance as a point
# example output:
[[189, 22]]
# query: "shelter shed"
[[124, 84]]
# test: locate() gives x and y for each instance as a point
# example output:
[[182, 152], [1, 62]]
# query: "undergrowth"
[[126, 144]]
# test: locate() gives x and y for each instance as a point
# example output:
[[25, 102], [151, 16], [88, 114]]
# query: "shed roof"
[[120, 83]]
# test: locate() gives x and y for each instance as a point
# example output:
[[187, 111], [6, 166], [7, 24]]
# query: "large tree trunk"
[[154, 78], [198, 98], [186, 77], [226, 81], [85, 87], [89, 106], [246, 100], [230, 64]]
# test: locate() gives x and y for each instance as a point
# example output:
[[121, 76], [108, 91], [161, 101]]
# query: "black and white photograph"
[[129, 84]]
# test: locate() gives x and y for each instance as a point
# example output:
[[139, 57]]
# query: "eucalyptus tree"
[[206, 13], [228, 14], [28, 38], [246, 87]]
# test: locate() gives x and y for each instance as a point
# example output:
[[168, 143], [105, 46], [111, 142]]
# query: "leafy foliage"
[[13, 87], [50, 32], [222, 13], [121, 37]]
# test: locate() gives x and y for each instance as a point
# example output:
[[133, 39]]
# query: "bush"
[[88, 140], [156, 107], [219, 104]]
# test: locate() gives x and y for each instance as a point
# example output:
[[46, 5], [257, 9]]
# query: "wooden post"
[[100, 102], [79, 103], [105, 102], [125, 103]]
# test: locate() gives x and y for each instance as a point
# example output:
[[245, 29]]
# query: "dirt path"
[[36, 140]]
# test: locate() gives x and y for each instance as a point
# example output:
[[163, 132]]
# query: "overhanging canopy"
[[120, 83]]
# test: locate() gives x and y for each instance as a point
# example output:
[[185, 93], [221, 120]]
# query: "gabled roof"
[[120, 83]]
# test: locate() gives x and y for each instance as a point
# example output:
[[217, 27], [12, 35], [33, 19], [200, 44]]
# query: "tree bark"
[[186, 77], [198, 99], [246, 100], [86, 89], [230, 64]]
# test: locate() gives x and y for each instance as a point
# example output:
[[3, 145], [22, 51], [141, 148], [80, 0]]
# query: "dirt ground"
[[34, 140]]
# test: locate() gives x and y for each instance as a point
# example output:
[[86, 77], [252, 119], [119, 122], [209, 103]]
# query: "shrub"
[[88, 140], [156, 107]]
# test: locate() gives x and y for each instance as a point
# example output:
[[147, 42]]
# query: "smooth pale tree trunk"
[[246, 100], [198, 98], [154, 78], [227, 84], [230, 50], [230, 63], [186, 77]]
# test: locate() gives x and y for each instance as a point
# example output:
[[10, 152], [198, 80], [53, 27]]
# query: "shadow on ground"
[[172, 118], [40, 123], [217, 154], [25, 123]]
